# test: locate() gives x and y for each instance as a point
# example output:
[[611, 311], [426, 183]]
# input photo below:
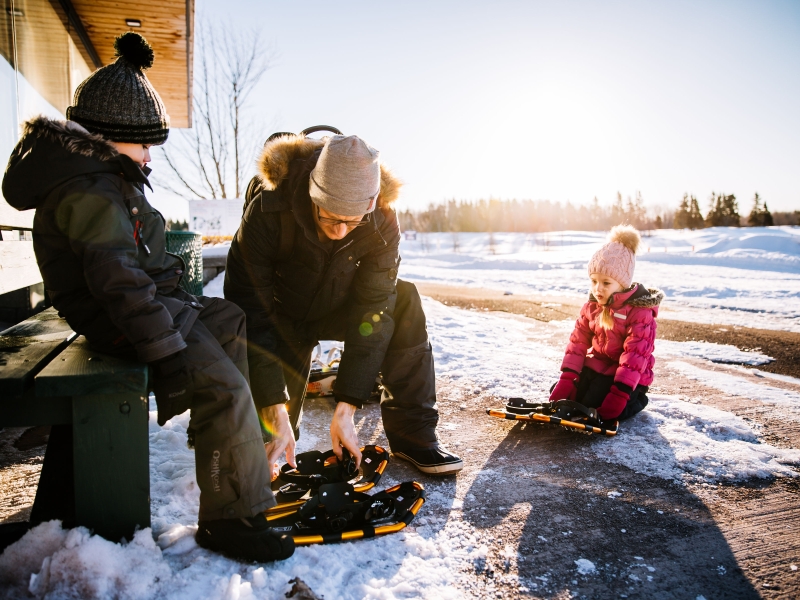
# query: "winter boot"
[[249, 538]]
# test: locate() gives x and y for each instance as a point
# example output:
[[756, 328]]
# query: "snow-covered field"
[[748, 277]]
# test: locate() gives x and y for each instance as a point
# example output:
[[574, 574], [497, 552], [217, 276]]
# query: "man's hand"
[[276, 419], [343, 432]]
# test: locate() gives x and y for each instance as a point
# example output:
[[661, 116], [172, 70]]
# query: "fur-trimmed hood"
[[650, 297], [50, 152], [638, 296], [277, 156], [71, 136]]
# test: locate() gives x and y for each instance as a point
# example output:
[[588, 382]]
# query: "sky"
[[544, 100]]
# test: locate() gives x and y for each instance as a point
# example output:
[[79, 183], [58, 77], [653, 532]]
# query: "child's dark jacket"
[[626, 351], [99, 244]]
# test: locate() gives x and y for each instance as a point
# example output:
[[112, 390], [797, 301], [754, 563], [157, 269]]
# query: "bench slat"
[[80, 371], [26, 347]]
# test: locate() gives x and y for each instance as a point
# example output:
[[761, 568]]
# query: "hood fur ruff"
[[273, 165], [71, 136], [653, 297]]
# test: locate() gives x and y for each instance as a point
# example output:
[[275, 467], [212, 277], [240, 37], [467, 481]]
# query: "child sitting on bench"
[[101, 249]]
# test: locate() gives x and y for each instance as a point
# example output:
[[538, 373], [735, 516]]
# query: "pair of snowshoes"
[[572, 416], [323, 500]]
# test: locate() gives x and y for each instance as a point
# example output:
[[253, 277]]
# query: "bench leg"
[[111, 458]]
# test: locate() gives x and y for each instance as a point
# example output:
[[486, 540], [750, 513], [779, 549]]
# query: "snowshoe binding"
[[294, 487], [337, 512], [572, 416]]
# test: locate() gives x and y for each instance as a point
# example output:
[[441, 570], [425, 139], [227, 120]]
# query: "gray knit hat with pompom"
[[118, 102]]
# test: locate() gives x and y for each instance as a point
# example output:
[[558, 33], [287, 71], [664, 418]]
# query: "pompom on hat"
[[617, 258], [118, 102]]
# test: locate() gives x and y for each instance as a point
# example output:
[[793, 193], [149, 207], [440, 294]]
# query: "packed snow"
[[713, 275]]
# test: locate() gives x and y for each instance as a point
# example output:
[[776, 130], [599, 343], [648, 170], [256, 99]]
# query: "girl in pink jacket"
[[609, 360]]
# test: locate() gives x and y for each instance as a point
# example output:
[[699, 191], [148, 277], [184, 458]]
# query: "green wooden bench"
[[50, 376]]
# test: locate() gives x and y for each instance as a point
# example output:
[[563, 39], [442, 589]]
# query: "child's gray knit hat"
[[118, 102], [347, 177]]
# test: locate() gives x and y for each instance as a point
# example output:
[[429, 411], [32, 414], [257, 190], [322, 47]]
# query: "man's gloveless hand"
[[343, 432], [276, 419]]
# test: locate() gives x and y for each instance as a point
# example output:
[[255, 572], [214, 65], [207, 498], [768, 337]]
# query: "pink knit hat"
[[617, 258]]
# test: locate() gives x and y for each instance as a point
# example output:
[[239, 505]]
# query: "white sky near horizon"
[[544, 100]]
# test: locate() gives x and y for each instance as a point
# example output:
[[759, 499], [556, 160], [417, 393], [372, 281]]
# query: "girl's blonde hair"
[[606, 319]]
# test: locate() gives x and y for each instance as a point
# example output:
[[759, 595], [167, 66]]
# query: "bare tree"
[[210, 160]]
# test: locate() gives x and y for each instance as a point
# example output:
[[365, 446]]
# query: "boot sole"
[[443, 469]]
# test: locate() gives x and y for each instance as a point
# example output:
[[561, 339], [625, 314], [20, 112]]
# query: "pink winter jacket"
[[626, 351]]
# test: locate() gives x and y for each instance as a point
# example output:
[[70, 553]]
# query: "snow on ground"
[[490, 355], [718, 353], [737, 276], [672, 439]]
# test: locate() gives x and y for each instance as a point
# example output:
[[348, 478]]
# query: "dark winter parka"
[[284, 297], [99, 244], [626, 351]]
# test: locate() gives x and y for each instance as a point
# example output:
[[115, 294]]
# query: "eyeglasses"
[[350, 224]]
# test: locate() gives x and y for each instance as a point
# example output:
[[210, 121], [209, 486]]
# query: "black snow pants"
[[408, 405], [593, 388], [230, 461]]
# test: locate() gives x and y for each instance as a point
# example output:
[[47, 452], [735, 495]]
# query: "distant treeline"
[[544, 215]]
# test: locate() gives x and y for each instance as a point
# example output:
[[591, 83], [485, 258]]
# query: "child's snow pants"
[[593, 388], [230, 461]]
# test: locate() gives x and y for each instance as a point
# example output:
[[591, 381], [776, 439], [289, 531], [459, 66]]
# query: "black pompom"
[[135, 49]]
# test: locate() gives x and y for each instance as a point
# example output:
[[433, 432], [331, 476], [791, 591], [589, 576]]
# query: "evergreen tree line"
[[545, 215]]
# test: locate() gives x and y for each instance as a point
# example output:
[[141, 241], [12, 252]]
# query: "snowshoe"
[[337, 512], [572, 416], [293, 487]]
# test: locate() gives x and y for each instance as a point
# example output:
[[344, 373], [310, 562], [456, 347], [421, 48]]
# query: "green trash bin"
[[189, 246]]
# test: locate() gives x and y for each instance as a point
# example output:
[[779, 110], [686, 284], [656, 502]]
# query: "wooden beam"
[[75, 21]]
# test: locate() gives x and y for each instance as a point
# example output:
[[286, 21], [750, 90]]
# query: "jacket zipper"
[[138, 236]]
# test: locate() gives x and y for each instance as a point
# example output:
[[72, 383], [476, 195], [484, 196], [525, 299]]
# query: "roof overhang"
[[168, 25]]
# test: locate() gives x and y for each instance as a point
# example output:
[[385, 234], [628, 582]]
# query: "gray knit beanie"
[[118, 102], [347, 177]]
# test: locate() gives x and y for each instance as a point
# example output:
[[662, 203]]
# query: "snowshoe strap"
[[337, 506], [569, 411], [314, 469], [520, 406]]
